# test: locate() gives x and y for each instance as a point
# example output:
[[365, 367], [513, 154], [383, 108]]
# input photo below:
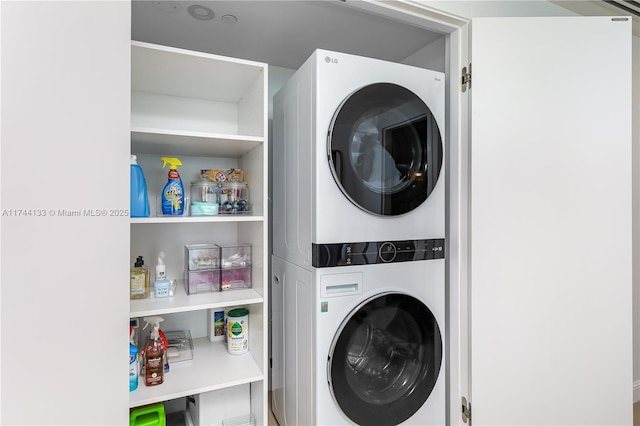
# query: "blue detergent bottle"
[[139, 206], [133, 363], [173, 191]]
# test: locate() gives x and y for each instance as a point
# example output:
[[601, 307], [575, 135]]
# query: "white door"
[[550, 221]]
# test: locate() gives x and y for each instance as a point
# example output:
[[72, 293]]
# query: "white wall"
[[431, 57], [65, 146]]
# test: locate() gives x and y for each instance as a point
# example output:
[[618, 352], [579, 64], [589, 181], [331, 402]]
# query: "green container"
[[151, 415], [238, 312]]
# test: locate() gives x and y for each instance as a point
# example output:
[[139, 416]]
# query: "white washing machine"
[[360, 344], [358, 155]]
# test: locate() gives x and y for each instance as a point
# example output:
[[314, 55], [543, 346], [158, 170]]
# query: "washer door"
[[385, 360], [385, 149]]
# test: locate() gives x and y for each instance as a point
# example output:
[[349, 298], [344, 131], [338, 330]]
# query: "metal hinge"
[[466, 78], [466, 410]]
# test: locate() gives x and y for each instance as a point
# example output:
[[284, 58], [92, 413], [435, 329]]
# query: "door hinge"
[[466, 78], [466, 410]]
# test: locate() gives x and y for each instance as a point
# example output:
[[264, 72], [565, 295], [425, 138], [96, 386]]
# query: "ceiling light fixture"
[[229, 19], [201, 12]]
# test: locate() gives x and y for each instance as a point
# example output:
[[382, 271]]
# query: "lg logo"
[[330, 60]]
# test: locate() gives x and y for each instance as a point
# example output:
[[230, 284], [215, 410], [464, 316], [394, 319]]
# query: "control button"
[[429, 252], [438, 249], [387, 252]]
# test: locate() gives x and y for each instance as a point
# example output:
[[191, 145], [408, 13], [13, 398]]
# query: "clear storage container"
[[202, 268], [205, 198], [235, 263], [234, 198]]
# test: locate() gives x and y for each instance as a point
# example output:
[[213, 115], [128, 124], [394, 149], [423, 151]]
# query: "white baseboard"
[[636, 391]]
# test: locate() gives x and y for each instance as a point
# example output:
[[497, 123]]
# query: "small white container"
[[237, 331]]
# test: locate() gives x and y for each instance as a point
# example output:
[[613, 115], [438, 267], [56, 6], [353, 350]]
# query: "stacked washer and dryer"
[[358, 272]]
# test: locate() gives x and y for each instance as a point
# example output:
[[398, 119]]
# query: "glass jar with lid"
[[205, 198], [234, 198]]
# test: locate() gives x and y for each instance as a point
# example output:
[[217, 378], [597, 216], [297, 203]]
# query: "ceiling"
[[280, 33], [284, 33]]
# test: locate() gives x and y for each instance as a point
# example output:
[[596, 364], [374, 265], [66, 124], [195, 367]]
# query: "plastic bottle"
[[154, 354], [163, 338], [139, 280], [173, 191], [161, 285], [237, 331], [139, 206], [165, 355], [133, 362]]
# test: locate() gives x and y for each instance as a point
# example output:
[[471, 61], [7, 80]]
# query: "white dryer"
[[359, 344], [358, 155]]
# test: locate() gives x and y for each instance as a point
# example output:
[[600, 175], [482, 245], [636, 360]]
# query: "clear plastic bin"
[[180, 346], [202, 268], [235, 278], [202, 256], [238, 256], [203, 281], [235, 262], [205, 198], [234, 198]]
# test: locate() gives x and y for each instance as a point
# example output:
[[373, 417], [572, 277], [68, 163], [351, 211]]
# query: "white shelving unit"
[[211, 112]]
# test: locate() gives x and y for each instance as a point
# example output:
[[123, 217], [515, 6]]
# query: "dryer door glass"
[[385, 149], [385, 360]]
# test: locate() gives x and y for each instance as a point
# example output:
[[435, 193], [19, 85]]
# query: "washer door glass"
[[385, 149], [385, 360]]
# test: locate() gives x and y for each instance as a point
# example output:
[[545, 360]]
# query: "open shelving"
[[211, 112]]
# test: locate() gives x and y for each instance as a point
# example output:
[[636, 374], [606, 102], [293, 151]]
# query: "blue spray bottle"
[[173, 191]]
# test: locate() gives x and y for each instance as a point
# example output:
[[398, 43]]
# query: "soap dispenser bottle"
[[139, 283], [161, 285]]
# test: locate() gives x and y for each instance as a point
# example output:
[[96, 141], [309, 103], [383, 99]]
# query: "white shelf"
[[210, 369], [198, 219], [182, 302], [162, 141], [184, 73]]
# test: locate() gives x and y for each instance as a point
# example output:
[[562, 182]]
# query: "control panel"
[[366, 253]]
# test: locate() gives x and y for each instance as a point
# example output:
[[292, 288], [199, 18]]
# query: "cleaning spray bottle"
[[133, 362], [154, 354], [173, 192], [163, 338]]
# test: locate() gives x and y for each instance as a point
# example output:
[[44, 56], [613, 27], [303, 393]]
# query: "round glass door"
[[385, 360], [385, 149]]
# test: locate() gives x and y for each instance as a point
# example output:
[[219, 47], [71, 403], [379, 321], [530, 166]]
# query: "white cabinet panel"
[[550, 276]]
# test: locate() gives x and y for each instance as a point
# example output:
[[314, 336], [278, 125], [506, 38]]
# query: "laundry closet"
[[521, 282], [152, 23]]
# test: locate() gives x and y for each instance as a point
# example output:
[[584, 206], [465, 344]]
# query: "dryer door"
[[385, 359], [385, 149]]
